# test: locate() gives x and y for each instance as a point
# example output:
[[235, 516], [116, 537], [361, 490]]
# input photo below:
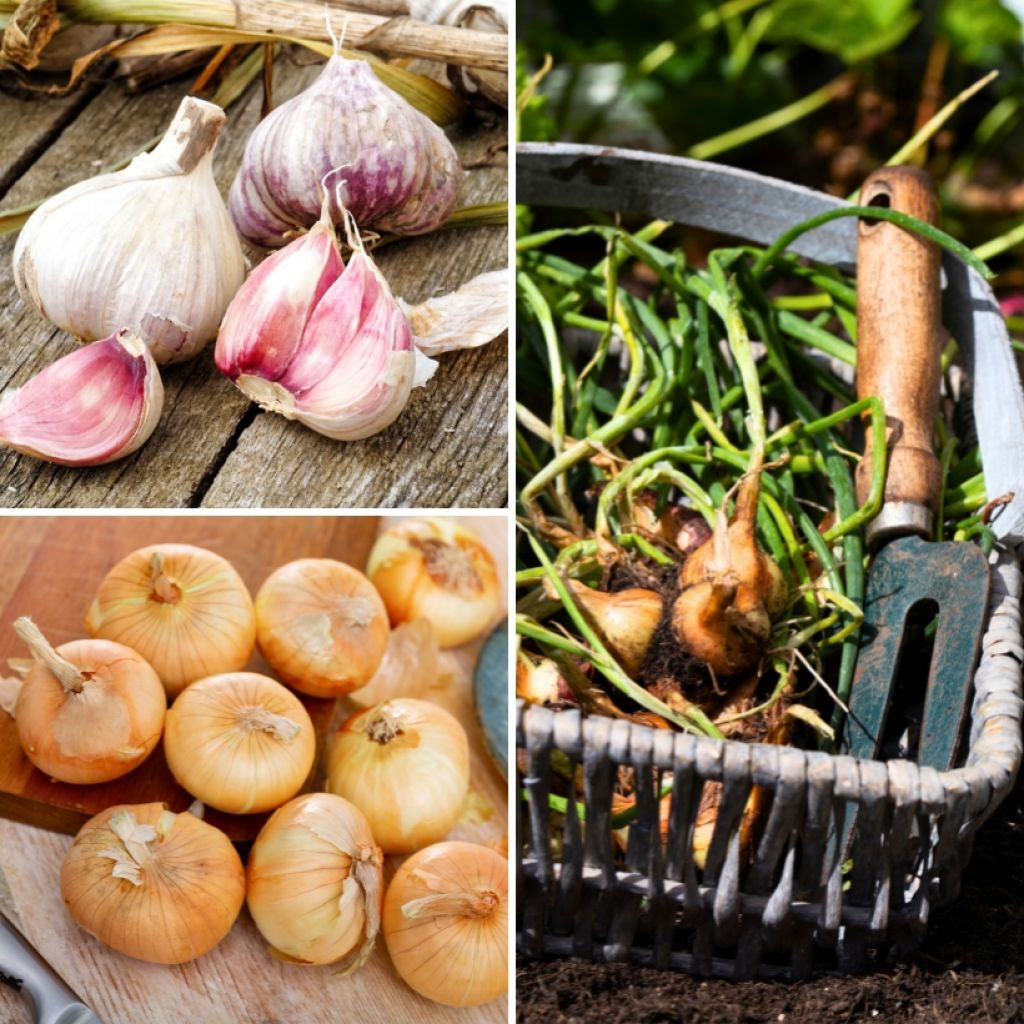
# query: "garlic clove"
[[264, 323], [392, 167], [150, 247], [95, 405]]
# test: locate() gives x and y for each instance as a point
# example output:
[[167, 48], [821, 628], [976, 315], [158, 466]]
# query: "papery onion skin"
[[225, 742], [203, 625], [458, 960], [405, 764], [437, 570], [392, 167], [101, 733], [302, 889], [192, 888], [321, 626]]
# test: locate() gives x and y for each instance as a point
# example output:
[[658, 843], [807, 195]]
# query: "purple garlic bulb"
[[389, 165]]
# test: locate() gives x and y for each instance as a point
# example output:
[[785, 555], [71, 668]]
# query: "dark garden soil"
[[971, 969]]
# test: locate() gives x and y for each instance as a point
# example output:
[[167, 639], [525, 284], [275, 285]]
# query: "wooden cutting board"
[[60, 576], [237, 982]]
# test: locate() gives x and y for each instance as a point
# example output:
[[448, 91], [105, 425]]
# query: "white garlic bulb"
[[150, 248]]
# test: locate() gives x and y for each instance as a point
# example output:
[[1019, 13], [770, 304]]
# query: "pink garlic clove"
[[264, 323], [389, 165], [95, 405]]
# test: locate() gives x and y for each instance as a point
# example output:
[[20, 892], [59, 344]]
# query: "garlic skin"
[[395, 169], [93, 406], [340, 358], [150, 248]]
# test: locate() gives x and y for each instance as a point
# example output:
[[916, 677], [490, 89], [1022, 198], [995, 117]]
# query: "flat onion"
[[321, 626], [314, 882], [183, 608], [240, 742], [434, 569], [405, 765], [446, 921], [89, 711], [152, 884]]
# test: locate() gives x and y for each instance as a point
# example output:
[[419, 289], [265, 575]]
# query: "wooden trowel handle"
[[898, 348]]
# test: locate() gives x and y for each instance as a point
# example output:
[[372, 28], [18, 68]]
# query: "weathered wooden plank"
[[212, 447]]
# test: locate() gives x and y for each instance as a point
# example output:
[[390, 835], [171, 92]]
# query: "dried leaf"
[[31, 27], [810, 717], [469, 317]]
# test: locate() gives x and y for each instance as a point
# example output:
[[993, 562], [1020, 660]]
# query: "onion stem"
[[68, 675]]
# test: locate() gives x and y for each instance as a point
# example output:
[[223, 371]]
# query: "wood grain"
[[237, 982], [55, 589], [212, 447]]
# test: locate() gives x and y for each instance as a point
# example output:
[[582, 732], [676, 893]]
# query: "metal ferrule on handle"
[[23, 968]]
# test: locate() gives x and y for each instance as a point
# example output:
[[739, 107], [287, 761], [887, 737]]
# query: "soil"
[[971, 968]]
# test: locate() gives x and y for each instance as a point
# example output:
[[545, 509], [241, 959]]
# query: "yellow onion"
[[321, 626], [89, 711], [731, 590], [405, 765], [152, 884], [240, 742], [626, 620], [314, 882], [183, 608], [446, 923], [435, 569]]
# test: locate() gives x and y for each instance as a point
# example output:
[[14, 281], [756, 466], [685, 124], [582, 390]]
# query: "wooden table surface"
[[213, 448], [237, 982]]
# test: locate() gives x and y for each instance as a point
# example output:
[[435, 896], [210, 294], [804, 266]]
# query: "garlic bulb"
[[183, 608], [149, 248], [396, 169], [446, 923], [314, 882], [405, 765], [239, 742], [151, 884], [321, 626], [89, 711], [95, 405], [440, 571], [328, 347]]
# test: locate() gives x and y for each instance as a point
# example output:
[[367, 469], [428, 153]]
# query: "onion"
[[183, 608], [89, 711], [436, 570], [405, 765], [314, 882], [151, 884], [626, 620], [446, 923], [239, 742], [321, 626]]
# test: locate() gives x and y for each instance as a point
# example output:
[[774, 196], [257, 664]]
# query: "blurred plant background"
[[818, 92]]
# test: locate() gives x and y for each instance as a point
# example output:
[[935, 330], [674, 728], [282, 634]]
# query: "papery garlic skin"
[[183, 608], [93, 406], [315, 882], [150, 248], [392, 167], [321, 626], [151, 884], [405, 765], [349, 371], [239, 742]]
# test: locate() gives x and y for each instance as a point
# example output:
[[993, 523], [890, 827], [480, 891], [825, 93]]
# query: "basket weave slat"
[[910, 833]]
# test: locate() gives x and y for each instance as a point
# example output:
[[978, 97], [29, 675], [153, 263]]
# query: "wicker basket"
[[802, 902]]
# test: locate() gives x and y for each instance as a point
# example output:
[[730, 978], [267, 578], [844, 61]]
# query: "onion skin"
[[191, 888], [473, 949], [437, 570], [219, 752], [199, 623], [101, 733], [321, 626], [315, 882], [411, 780], [400, 172]]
